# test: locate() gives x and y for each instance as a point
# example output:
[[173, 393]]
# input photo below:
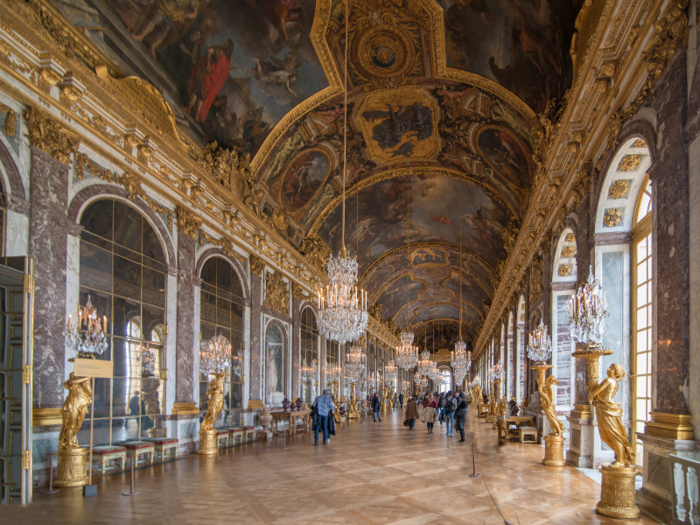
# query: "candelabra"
[[391, 370], [417, 380], [87, 336], [342, 307], [588, 312], [355, 367], [539, 347], [214, 358]]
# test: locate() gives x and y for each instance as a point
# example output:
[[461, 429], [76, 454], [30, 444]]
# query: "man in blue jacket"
[[324, 406]]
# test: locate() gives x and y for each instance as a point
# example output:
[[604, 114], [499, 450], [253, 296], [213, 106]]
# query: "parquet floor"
[[371, 473]]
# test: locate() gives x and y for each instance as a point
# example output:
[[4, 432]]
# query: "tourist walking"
[[430, 415], [323, 405], [376, 408], [442, 403], [401, 400], [450, 408], [411, 413], [461, 419]]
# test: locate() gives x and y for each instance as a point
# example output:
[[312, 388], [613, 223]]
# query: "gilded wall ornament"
[[536, 287], [316, 251], [276, 293], [564, 270], [376, 311], [619, 189], [10, 120], [639, 143], [224, 243], [257, 265], [630, 162], [49, 136], [570, 237], [187, 222], [568, 251], [280, 221], [613, 217], [297, 291]]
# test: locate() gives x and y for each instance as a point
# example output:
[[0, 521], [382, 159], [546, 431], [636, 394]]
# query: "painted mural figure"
[[414, 120], [283, 12], [207, 79], [276, 72], [167, 17]]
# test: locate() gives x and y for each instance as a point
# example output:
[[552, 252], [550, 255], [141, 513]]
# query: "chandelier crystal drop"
[[539, 347], [417, 379], [588, 311], [425, 364], [214, 355], [355, 363], [406, 353], [461, 362], [87, 335]]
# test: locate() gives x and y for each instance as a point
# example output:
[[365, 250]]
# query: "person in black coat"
[[376, 407], [401, 400], [461, 419]]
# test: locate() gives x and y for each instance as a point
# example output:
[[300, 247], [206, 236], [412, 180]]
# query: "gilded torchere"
[[72, 459], [617, 490], [207, 434], [385, 393], [554, 441], [352, 406]]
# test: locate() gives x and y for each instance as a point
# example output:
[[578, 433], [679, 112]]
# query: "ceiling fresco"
[[443, 96]]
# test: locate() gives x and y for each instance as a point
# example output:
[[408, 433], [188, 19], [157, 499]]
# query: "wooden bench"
[[528, 434], [104, 456], [509, 427], [249, 434], [140, 452], [223, 437], [164, 447], [237, 436]]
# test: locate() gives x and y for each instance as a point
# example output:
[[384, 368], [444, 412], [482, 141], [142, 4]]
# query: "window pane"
[[642, 364], [127, 227], [127, 278], [95, 267], [641, 387], [641, 319]]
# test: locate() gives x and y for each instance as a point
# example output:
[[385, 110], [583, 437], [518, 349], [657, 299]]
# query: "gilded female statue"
[[74, 410], [609, 415], [547, 400], [216, 401]]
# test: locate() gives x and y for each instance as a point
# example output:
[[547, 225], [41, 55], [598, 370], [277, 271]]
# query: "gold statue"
[[609, 415], [74, 410], [548, 405], [216, 401]]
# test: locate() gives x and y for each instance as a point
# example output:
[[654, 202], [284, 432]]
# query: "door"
[[16, 314]]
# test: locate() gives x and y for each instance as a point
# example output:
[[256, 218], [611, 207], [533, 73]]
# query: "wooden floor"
[[371, 473]]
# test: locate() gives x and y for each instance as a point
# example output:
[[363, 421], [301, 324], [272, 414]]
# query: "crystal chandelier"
[[434, 373], [460, 361], [87, 335], [417, 379], [333, 373], [391, 369], [539, 347], [214, 355], [406, 353], [342, 315], [588, 311], [148, 361], [425, 364], [424, 382], [497, 372], [355, 363], [308, 373]]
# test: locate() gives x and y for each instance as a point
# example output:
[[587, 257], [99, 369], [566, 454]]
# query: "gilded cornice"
[[187, 222], [50, 136], [544, 213], [257, 265]]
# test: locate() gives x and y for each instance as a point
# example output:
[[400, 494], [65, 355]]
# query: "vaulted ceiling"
[[442, 99]]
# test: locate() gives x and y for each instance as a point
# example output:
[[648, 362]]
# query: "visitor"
[[411, 413], [461, 419], [401, 400], [134, 407], [430, 415], [324, 406], [450, 408], [376, 408], [442, 403]]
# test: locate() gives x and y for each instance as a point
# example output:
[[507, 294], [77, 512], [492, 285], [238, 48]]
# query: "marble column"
[[296, 343], [186, 376], [257, 267], [670, 430], [48, 230]]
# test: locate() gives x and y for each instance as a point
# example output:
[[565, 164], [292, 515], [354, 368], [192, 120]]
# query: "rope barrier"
[[505, 521]]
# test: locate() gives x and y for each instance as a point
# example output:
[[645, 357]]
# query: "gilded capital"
[[276, 293], [297, 291], [257, 265], [187, 222], [49, 136]]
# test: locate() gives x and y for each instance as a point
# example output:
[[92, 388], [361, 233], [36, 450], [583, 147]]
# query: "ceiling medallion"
[[383, 52], [612, 217], [619, 189]]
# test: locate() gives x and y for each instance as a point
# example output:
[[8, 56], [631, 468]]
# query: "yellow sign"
[[93, 367]]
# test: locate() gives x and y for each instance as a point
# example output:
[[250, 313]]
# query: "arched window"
[[122, 269], [309, 354], [642, 315], [221, 313], [446, 380]]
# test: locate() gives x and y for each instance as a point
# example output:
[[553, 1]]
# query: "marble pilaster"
[[48, 230], [296, 347], [186, 373], [255, 338]]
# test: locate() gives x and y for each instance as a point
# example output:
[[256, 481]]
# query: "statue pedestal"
[[554, 451], [207, 442], [72, 467], [617, 493]]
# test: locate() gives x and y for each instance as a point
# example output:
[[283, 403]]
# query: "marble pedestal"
[[554, 451], [656, 495], [580, 452], [617, 493]]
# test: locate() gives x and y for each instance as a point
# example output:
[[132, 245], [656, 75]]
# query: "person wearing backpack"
[[442, 403], [450, 407], [461, 419]]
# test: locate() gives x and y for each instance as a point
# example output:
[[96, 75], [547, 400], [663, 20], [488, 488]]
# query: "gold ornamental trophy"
[[588, 311], [539, 350], [215, 357], [497, 379], [354, 367]]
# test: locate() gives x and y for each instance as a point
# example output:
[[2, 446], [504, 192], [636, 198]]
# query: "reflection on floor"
[[371, 473]]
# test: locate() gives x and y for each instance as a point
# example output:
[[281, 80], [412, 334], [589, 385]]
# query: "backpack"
[[450, 407]]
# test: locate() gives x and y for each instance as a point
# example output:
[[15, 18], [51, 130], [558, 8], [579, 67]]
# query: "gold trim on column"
[[671, 426], [581, 412], [46, 416], [254, 404], [181, 409]]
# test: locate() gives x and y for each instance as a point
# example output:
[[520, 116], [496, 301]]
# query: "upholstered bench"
[[164, 447], [223, 436], [528, 434], [249, 434], [237, 436], [104, 456], [141, 452]]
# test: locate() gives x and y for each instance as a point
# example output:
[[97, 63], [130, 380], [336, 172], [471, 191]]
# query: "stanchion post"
[[474, 473], [51, 489], [131, 481]]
